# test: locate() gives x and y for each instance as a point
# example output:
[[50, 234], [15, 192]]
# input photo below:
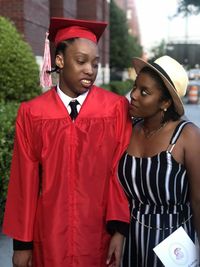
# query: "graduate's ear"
[[59, 61]]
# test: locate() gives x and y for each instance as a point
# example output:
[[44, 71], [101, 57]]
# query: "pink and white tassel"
[[45, 77]]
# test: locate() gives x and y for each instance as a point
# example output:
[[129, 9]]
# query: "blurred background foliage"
[[188, 7], [123, 46], [119, 87]]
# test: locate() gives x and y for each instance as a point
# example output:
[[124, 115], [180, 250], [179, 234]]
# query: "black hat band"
[[163, 72]]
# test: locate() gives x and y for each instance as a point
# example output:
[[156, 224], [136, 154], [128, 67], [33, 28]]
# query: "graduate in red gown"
[[65, 206]]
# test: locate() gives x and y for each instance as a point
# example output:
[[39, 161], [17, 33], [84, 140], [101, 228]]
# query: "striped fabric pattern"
[[157, 188]]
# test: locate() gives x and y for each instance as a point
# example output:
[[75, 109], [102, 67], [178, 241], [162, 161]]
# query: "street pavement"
[[5, 251], [192, 112]]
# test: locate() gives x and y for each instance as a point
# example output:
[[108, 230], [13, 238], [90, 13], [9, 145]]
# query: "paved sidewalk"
[[5, 251]]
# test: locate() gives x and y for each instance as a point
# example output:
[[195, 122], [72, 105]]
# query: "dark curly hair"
[[60, 49]]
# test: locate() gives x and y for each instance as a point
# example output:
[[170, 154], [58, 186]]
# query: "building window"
[[129, 14]]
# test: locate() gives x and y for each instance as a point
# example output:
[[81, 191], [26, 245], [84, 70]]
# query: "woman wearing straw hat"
[[162, 163]]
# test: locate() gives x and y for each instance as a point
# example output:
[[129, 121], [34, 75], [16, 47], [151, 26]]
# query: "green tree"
[[19, 73], [134, 48], [123, 46], [188, 7], [158, 51]]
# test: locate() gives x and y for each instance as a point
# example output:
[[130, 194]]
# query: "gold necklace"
[[151, 133]]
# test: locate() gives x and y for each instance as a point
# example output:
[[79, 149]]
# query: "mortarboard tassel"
[[45, 76]]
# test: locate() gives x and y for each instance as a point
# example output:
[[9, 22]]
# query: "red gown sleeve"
[[24, 181], [118, 207]]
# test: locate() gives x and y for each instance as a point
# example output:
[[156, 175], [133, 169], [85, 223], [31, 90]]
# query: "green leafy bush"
[[19, 73], [119, 87], [7, 118], [19, 76]]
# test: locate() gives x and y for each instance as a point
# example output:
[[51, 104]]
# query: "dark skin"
[[78, 67], [78, 70], [146, 103], [22, 258]]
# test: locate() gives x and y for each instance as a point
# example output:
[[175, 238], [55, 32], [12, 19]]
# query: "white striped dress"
[[157, 188]]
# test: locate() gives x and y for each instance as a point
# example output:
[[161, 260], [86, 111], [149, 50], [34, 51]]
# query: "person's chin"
[[133, 110], [82, 90], [85, 89], [133, 114]]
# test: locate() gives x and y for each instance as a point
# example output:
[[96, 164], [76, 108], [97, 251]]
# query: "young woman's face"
[[145, 97], [78, 67]]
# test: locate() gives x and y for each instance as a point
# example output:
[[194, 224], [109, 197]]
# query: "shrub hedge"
[[19, 70], [7, 117], [119, 87], [19, 81]]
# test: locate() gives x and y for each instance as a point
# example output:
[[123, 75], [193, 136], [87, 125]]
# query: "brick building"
[[129, 7], [31, 18]]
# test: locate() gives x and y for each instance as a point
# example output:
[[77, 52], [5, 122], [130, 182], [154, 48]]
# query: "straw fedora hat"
[[172, 73]]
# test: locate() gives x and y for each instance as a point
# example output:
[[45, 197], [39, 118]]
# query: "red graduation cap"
[[62, 29]]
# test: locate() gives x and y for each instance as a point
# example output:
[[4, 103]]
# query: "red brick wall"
[[87, 9], [106, 36], [36, 23], [32, 18], [14, 10], [96, 10], [62, 8], [69, 8], [133, 23], [56, 8], [122, 4]]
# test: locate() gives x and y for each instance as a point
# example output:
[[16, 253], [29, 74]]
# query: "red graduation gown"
[[63, 185]]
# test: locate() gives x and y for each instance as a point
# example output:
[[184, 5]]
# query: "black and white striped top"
[[157, 189]]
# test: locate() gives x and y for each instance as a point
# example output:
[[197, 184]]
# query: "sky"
[[157, 23]]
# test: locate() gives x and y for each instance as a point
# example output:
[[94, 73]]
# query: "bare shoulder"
[[191, 129], [191, 135]]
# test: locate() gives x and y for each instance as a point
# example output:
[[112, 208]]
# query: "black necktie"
[[74, 112]]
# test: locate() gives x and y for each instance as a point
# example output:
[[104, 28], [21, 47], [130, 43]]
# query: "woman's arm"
[[192, 163], [115, 250], [22, 258]]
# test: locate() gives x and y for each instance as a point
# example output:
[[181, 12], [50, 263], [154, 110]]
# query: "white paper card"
[[177, 250]]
